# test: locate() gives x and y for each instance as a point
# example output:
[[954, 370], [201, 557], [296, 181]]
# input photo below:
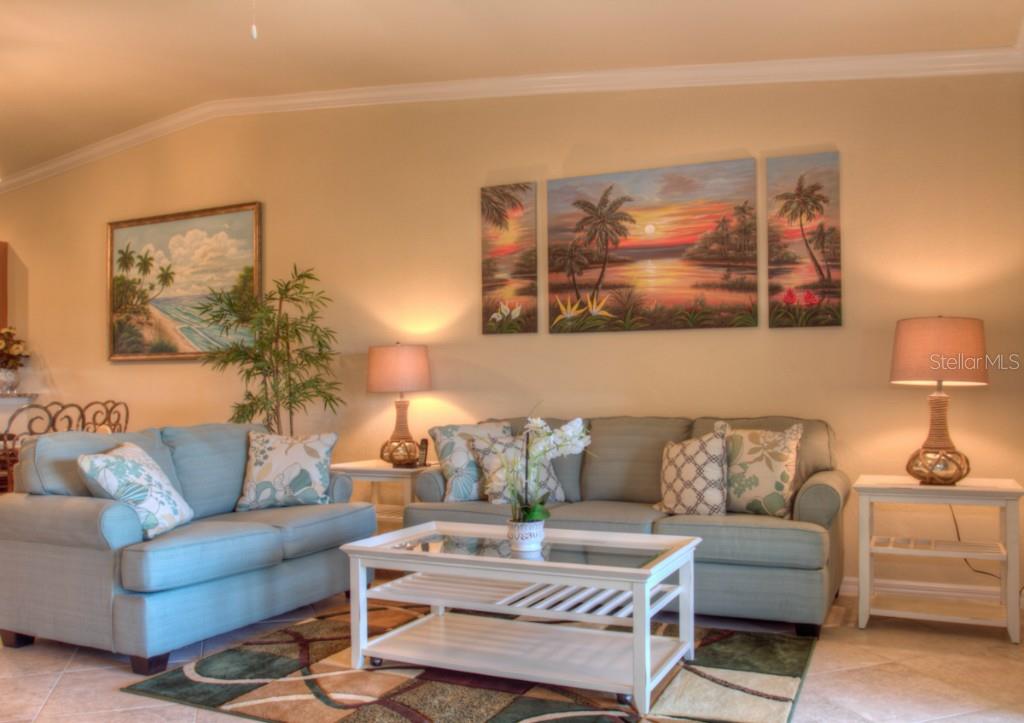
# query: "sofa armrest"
[[68, 521], [341, 487], [822, 497], [429, 486]]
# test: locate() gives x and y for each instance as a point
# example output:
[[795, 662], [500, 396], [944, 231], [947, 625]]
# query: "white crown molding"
[[905, 65]]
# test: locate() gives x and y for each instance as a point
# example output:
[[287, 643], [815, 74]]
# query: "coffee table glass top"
[[442, 541]]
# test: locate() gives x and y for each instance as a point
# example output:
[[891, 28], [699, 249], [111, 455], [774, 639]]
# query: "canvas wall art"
[[669, 248], [804, 259], [161, 268], [509, 236]]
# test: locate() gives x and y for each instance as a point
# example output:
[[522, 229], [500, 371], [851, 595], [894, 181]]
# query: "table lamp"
[[944, 351], [399, 368]]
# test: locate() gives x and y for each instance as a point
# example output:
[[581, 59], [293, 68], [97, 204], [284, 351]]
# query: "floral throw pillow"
[[693, 475], [502, 462], [286, 471], [461, 472], [762, 465], [128, 474]]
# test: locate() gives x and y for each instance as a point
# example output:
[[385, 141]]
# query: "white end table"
[[378, 472], [1004, 494]]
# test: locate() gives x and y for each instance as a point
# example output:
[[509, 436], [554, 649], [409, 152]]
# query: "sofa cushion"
[[48, 465], [739, 539], [481, 512], [816, 451], [568, 468], [623, 461], [210, 462], [311, 528], [203, 550], [604, 516]]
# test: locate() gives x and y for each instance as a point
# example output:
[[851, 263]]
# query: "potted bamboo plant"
[[540, 446]]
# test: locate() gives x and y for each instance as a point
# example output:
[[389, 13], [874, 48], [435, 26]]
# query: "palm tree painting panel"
[[804, 260], [509, 235], [669, 248], [160, 269]]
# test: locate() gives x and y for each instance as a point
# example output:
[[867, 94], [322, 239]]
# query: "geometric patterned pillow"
[[762, 467], [283, 471], [693, 477], [501, 459], [461, 472], [126, 473]]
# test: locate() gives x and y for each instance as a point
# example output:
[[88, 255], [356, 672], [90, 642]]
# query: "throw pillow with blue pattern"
[[463, 479], [285, 471], [129, 475]]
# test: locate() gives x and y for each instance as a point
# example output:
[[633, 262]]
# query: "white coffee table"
[[606, 578]]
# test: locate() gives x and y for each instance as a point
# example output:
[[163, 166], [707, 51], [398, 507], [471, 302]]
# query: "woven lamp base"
[[401, 449], [938, 461]]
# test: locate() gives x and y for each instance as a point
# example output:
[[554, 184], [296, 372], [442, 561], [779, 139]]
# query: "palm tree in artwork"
[[746, 229], [164, 278], [603, 226], [571, 260], [805, 203], [126, 259], [496, 202], [144, 263]]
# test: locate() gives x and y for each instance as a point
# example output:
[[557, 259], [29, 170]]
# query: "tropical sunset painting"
[[669, 248], [508, 216], [162, 268], [804, 261]]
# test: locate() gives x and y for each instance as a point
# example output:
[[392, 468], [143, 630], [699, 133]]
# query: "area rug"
[[301, 673]]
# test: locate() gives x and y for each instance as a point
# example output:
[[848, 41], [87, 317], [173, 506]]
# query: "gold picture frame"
[[160, 267]]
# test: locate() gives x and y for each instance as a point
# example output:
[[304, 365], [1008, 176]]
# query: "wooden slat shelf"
[[562, 654], [968, 612], [535, 600], [927, 547]]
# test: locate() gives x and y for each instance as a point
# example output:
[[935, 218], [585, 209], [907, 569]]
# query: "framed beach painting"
[[668, 248], [508, 230], [160, 269], [804, 259]]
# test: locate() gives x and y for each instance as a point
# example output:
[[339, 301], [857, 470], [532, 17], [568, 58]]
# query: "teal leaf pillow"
[[762, 467], [128, 474], [286, 471], [463, 480]]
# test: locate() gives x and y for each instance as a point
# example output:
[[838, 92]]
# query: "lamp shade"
[[945, 349], [398, 368]]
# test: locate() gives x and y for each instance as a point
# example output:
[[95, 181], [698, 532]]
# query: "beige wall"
[[383, 203]]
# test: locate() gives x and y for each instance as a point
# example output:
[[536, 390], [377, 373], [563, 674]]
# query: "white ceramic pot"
[[526, 536], [8, 381]]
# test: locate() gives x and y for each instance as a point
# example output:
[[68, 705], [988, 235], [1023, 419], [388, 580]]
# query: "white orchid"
[[545, 444]]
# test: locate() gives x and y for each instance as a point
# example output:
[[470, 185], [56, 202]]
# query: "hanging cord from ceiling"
[[254, 32], [956, 525]]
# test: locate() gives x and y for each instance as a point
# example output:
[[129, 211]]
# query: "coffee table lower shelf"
[[537, 652]]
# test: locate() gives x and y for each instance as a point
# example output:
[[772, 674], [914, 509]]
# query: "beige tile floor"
[[898, 671]]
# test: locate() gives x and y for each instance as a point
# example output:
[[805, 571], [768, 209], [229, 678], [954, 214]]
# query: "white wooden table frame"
[[626, 663], [1004, 494], [377, 472]]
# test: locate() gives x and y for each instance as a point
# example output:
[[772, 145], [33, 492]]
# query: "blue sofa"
[[748, 566], [75, 568]]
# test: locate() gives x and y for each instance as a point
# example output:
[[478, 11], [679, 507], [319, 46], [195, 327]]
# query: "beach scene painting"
[[508, 216], [669, 248], [162, 268], [804, 249]]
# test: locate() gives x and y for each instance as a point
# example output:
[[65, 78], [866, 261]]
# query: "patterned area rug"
[[301, 673]]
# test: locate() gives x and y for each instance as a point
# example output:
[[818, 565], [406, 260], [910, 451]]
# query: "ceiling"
[[74, 72]]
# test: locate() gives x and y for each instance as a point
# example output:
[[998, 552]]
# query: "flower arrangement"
[[12, 349], [541, 445]]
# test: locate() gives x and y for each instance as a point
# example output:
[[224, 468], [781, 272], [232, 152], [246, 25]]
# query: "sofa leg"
[[808, 630], [150, 666], [15, 640]]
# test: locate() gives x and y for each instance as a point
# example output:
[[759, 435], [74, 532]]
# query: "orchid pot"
[[526, 536]]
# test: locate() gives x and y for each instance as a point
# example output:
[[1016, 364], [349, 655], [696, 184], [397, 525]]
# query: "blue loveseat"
[[75, 568]]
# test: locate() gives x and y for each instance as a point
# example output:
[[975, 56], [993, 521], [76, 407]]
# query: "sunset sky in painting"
[[672, 206], [820, 168], [503, 245]]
